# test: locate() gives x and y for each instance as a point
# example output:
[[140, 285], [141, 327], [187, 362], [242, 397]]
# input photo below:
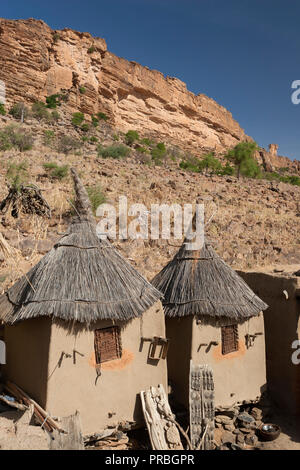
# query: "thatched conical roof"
[[81, 279], [200, 283]]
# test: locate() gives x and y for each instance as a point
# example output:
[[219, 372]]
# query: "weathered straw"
[[81, 279], [200, 283]]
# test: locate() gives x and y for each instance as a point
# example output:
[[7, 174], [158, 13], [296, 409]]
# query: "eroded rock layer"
[[36, 62]]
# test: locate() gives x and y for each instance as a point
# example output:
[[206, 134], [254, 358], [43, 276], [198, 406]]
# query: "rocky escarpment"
[[36, 62]]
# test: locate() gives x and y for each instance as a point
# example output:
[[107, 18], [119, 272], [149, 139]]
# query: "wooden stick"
[[17, 390]]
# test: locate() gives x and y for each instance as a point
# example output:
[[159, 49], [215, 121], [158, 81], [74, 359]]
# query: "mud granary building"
[[214, 318], [80, 326]]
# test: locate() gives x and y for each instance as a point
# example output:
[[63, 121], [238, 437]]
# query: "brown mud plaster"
[[218, 356], [116, 364]]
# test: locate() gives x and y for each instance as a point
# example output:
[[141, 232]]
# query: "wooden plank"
[[202, 412], [159, 418], [72, 438]]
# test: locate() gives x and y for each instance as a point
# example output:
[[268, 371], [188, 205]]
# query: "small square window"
[[230, 339], [107, 344]]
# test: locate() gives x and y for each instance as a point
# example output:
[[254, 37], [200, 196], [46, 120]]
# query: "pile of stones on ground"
[[237, 428]]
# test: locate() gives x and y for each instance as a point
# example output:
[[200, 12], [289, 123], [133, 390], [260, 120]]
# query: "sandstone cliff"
[[36, 61]]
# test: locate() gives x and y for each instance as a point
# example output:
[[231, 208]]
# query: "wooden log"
[[19, 393], [160, 421], [12, 404], [70, 440]]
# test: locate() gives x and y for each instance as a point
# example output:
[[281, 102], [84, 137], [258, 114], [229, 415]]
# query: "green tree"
[[240, 156]]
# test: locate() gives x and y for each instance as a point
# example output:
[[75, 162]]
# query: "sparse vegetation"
[[56, 171], [56, 37], [102, 116], [49, 137], [17, 174], [131, 137], [67, 143], [77, 119], [19, 111], [91, 50], [95, 121], [96, 196], [85, 127], [2, 109], [158, 153], [53, 101], [11, 136], [82, 90], [113, 151], [40, 111]]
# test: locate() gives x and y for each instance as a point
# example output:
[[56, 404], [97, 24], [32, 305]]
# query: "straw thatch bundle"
[[81, 279], [7, 250], [200, 283]]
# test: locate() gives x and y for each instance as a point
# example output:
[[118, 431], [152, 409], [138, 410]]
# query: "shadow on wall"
[[281, 329], [27, 356]]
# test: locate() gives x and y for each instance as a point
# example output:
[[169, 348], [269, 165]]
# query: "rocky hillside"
[[255, 222]]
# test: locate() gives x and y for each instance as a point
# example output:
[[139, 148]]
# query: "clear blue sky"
[[243, 53]]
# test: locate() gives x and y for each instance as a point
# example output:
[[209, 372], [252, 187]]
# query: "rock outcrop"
[[36, 62]]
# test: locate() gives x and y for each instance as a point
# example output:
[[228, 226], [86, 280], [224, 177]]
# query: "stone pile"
[[236, 429]]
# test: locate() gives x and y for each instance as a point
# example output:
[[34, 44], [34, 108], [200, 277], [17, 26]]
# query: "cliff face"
[[36, 61]]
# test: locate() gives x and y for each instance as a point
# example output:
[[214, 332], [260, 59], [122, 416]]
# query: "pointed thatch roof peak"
[[81, 279], [83, 207], [200, 283]]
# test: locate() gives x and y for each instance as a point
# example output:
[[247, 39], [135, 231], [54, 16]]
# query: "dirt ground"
[[289, 438], [16, 433]]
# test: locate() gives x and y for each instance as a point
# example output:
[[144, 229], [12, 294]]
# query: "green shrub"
[[19, 111], [53, 101], [17, 174], [210, 162], [77, 119], [116, 137], [2, 109], [293, 179], [158, 153], [40, 111], [84, 138], [55, 116], [228, 170], [131, 137], [142, 149], [82, 90], [85, 127], [66, 144], [146, 141], [94, 139], [190, 163], [95, 121], [102, 116], [49, 137], [56, 171], [11, 136], [96, 196], [56, 37], [91, 50], [113, 151]]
